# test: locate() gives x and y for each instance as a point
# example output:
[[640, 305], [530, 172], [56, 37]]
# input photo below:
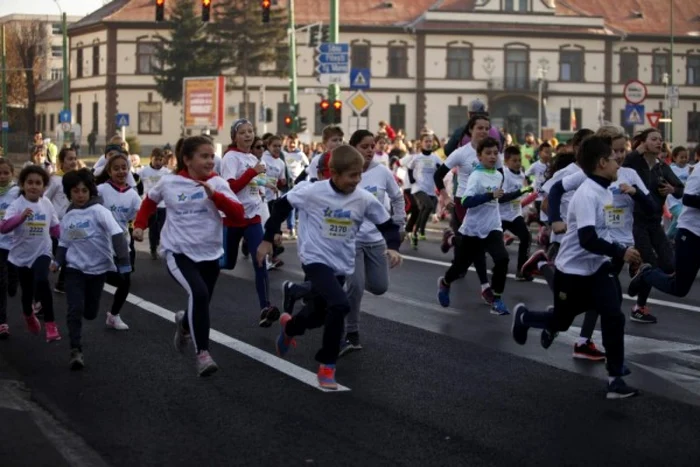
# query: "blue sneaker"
[[326, 377], [618, 389], [284, 342], [519, 329], [499, 308], [443, 292]]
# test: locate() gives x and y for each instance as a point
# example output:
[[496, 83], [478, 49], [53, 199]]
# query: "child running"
[[88, 229], [33, 221], [150, 176], [123, 202], [191, 238], [8, 273], [331, 213], [583, 278]]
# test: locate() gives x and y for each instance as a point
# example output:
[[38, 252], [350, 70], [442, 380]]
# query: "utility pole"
[[3, 71], [333, 89], [66, 74], [292, 67], [670, 81]]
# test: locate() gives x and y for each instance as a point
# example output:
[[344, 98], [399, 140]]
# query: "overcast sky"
[[70, 7]]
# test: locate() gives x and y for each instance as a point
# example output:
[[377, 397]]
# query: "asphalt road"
[[433, 386]]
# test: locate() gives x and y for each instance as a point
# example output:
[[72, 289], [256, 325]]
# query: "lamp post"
[[542, 70], [64, 29], [3, 117]]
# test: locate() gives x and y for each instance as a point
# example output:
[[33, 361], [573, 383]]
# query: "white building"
[[428, 59]]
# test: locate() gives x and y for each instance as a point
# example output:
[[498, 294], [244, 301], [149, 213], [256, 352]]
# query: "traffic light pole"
[[291, 35], [333, 33], [66, 75], [4, 117]]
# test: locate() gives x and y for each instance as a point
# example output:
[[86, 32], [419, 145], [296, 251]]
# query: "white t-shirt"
[[150, 177], [233, 166], [193, 225], [483, 219], [690, 217], [87, 236], [591, 205], [464, 158], [424, 167], [275, 173], [379, 181], [381, 158], [402, 171], [538, 170], [331, 221], [101, 163], [566, 197], [32, 238], [682, 173], [54, 192], [512, 182], [124, 205], [5, 200], [296, 163]]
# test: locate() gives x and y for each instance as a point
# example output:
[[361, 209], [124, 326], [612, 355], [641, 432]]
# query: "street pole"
[[4, 91], [333, 89], [539, 107], [263, 110], [670, 82], [66, 77], [291, 35]]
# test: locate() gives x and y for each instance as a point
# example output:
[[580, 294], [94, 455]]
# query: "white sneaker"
[[205, 364], [115, 322]]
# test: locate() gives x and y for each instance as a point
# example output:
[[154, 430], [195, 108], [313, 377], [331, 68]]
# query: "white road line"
[[653, 301], [283, 366]]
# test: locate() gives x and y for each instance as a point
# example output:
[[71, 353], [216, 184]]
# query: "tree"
[[28, 44], [252, 48], [190, 51]]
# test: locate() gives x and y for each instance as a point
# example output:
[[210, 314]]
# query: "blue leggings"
[[253, 235]]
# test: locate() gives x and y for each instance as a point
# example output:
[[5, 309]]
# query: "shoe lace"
[[643, 310]]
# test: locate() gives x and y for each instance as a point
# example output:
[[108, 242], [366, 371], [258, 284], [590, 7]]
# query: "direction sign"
[[5, 125], [64, 116], [359, 78], [333, 63], [634, 114], [122, 120], [333, 69], [654, 118], [635, 92], [331, 48], [333, 58], [674, 95], [359, 102]]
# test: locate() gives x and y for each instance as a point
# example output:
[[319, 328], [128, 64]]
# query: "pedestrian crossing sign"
[[359, 78], [634, 114]]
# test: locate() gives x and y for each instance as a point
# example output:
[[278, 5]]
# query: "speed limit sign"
[[65, 127]]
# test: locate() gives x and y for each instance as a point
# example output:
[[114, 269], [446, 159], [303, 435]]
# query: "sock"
[[485, 286], [582, 341], [611, 379], [541, 264]]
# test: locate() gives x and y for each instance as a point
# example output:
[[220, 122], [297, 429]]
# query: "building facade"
[[564, 62]]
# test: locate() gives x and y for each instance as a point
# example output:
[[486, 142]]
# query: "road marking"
[[283, 366], [653, 301]]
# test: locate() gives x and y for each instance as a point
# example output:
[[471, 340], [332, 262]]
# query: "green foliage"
[[190, 51], [134, 144]]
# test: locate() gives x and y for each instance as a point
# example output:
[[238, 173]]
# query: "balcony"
[[515, 83]]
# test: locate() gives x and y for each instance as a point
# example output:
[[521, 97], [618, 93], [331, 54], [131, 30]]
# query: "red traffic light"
[[160, 2], [288, 120], [337, 105], [325, 105], [266, 3]]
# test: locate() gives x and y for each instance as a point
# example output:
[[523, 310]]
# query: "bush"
[[134, 145]]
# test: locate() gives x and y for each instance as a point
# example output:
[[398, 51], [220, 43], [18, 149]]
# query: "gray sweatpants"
[[371, 274]]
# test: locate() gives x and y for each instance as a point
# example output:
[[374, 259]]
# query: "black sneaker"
[[618, 389], [642, 315], [547, 338], [588, 351], [638, 280], [244, 249], [520, 277], [76, 360], [446, 244], [530, 266], [414, 241], [268, 315], [352, 343], [518, 328], [154, 255], [289, 298]]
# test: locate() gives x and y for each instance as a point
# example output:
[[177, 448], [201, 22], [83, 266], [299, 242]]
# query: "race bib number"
[[36, 229], [336, 229], [614, 217]]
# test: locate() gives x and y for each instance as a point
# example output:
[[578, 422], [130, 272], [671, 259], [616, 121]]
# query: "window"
[[659, 67], [43, 123], [79, 114], [79, 63], [283, 109], [250, 114], [56, 51], [397, 116], [693, 70], [150, 118], [56, 74], [516, 68], [570, 124], [457, 116], [459, 63], [398, 61], [360, 56], [571, 65], [57, 29], [52, 122], [95, 60], [145, 58], [629, 129], [629, 66], [694, 126], [95, 117], [515, 5]]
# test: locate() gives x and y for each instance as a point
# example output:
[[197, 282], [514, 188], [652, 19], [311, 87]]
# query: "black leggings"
[[34, 282], [155, 225], [198, 279], [83, 294], [412, 210], [655, 249], [687, 266], [426, 205], [8, 283], [518, 228], [471, 248]]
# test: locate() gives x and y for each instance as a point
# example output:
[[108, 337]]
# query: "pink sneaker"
[[52, 332], [33, 324], [326, 377], [4, 331]]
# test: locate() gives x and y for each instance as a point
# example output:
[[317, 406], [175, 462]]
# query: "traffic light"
[[266, 11], [302, 124], [325, 33], [314, 35], [337, 112], [325, 111], [160, 10], [206, 10], [288, 121]]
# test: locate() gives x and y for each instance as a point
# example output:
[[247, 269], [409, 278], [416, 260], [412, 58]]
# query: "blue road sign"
[[331, 48], [359, 78], [122, 120], [5, 125], [333, 58], [64, 116], [634, 114], [333, 68]]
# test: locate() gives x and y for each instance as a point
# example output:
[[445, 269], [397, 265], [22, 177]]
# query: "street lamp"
[[542, 70], [64, 28]]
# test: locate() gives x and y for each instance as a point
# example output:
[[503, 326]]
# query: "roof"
[[636, 17], [54, 92]]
